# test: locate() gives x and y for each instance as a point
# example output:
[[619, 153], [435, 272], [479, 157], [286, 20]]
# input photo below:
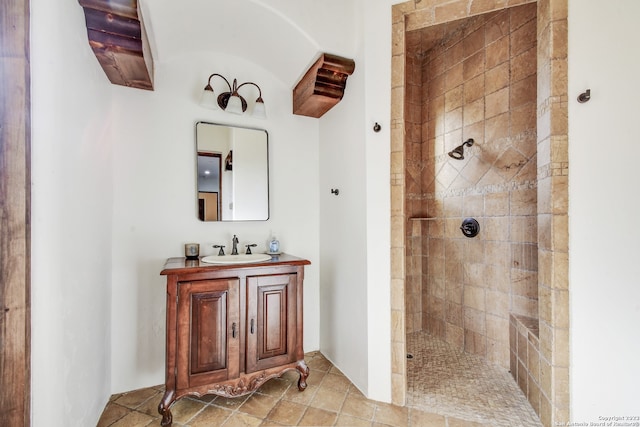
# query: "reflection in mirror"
[[208, 186], [233, 173]]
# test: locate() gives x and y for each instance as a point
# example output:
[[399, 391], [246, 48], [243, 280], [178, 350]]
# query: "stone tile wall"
[[553, 170], [472, 78], [552, 194], [525, 357]]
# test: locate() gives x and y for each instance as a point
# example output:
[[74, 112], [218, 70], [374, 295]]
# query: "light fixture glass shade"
[[234, 105], [259, 111], [208, 99]]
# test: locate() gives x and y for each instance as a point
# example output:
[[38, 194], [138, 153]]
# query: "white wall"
[[71, 220], [376, 41], [154, 200], [343, 244], [355, 228], [113, 189], [352, 257], [603, 202]]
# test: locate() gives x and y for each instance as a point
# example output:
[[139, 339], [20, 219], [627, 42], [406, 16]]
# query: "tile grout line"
[[282, 398]]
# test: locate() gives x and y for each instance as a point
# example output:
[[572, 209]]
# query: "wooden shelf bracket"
[[119, 41], [322, 86]]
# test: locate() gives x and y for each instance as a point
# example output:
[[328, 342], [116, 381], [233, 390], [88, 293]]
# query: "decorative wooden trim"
[[118, 39], [15, 209], [322, 86]]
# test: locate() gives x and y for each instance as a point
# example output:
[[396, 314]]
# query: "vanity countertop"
[[181, 265]]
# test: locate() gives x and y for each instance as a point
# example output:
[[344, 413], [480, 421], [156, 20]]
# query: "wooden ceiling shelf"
[[322, 86], [119, 41]]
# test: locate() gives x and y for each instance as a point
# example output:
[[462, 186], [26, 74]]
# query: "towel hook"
[[584, 96]]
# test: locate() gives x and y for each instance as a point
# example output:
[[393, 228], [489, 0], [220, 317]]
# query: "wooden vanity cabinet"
[[230, 328]]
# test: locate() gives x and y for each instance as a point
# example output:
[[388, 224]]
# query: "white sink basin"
[[236, 259]]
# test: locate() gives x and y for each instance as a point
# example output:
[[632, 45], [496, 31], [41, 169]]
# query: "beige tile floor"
[[329, 400]]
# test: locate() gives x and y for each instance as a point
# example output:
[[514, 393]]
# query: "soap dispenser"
[[274, 245]]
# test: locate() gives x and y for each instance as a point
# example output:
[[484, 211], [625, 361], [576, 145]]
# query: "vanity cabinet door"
[[208, 332], [271, 321]]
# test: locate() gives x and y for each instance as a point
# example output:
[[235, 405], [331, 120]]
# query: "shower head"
[[458, 152]]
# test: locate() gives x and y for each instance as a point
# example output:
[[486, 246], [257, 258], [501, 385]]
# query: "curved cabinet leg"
[[304, 373], [164, 408]]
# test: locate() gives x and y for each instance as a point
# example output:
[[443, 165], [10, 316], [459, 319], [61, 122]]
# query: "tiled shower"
[[497, 299], [472, 78]]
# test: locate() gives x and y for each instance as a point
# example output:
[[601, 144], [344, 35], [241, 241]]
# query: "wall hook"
[[335, 191], [377, 127], [584, 96]]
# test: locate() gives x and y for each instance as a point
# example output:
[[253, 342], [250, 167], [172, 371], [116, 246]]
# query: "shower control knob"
[[470, 227]]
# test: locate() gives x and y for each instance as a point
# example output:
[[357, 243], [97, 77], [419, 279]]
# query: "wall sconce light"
[[231, 101]]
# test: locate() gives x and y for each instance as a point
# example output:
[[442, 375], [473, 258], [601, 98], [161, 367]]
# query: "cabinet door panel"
[[271, 319], [208, 332], [272, 337]]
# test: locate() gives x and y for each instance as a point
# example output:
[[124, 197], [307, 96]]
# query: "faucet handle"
[[221, 251], [248, 252]]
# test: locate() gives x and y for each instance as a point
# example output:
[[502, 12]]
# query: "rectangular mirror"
[[232, 173]]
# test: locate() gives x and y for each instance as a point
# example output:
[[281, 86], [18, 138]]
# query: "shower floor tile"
[[445, 381]]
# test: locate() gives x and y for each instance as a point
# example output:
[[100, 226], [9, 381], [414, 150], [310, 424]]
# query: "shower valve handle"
[[470, 227]]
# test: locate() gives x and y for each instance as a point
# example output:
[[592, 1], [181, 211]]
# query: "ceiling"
[[282, 36]]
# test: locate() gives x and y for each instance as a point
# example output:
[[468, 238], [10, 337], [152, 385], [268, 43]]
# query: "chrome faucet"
[[235, 241]]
